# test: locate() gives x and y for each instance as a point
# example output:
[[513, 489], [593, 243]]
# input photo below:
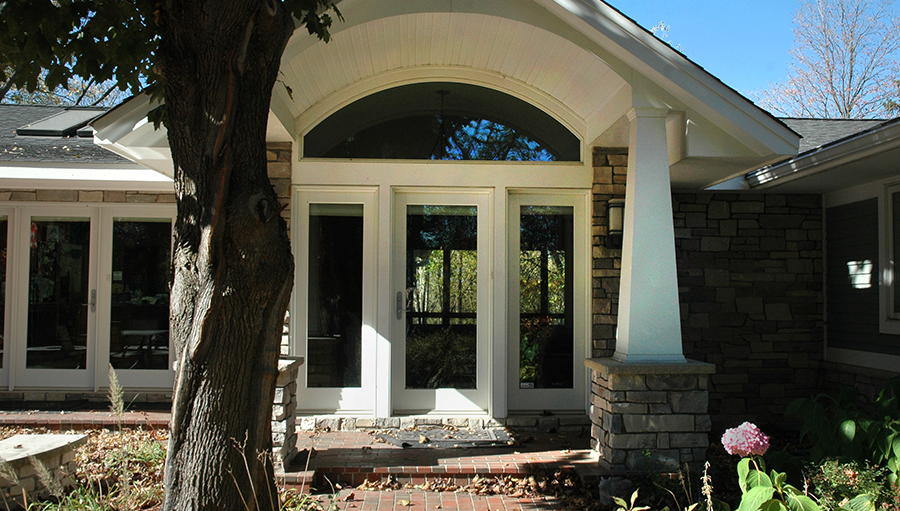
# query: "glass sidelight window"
[[141, 279], [58, 293], [545, 301], [334, 336]]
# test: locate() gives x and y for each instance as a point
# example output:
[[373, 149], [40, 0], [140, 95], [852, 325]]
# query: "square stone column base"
[[649, 416]]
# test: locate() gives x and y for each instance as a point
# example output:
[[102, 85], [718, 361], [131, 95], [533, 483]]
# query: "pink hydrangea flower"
[[745, 440]]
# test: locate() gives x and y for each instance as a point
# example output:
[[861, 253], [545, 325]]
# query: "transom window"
[[442, 121]]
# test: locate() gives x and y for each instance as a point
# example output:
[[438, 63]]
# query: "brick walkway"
[[348, 458], [444, 501]]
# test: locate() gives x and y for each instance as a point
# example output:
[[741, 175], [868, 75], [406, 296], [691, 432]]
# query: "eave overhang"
[[859, 158]]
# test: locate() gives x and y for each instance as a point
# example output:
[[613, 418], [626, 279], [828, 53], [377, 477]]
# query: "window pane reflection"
[[441, 278], [545, 297], [58, 293], [334, 337], [141, 278], [4, 231]]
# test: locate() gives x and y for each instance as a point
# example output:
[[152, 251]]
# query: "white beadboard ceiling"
[[511, 49]]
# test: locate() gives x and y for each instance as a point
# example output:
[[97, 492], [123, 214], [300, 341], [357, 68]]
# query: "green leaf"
[[743, 470], [778, 479], [772, 505], [896, 446], [847, 430], [863, 502], [754, 499], [800, 502], [758, 479]]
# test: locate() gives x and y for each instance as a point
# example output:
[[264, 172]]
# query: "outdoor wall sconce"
[[615, 220]]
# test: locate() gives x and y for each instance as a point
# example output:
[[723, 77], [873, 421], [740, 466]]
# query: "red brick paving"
[[352, 457]]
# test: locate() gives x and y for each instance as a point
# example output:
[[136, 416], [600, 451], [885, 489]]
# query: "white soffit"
[[126, 131], [522, 55]]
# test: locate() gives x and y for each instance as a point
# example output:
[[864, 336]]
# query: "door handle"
[[399, 304], [93, 301]]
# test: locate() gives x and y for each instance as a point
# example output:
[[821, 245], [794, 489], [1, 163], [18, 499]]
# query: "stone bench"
[[25, 455]]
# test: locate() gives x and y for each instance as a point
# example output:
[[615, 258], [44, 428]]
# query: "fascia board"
[[829, 157], [673, 72], [88, 177]]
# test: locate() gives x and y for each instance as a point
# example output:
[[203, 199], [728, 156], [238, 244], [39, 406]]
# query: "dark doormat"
[[448, 439]]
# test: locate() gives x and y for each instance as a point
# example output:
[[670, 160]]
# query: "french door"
[[440, 336], [91, 286], [57, 298]]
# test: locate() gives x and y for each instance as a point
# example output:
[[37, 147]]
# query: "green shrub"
[[854, 428], [835, 482]]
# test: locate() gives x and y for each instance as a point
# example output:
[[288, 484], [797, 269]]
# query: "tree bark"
[[233, 264]]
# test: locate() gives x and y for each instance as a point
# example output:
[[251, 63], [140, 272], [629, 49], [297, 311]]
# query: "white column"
[[649, 321]]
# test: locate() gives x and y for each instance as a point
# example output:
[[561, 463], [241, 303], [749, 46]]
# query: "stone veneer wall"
[[610, 173], [750, 276], [284, 413], [649, 417]]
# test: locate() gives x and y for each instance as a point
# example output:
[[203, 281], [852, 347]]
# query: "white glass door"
[[133, 304], [548, 295], [57, 302], [335, 319], [442, 256]]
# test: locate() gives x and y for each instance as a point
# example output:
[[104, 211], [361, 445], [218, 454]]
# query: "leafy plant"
[[852, 427], [769, 492], [835, 482], [629, 506]]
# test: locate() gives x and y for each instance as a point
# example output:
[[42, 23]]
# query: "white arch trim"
[[391, 79]]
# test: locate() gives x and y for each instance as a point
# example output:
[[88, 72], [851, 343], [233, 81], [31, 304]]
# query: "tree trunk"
[[233, 264]]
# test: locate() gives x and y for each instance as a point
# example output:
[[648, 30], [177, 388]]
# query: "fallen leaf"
[[404, 503]]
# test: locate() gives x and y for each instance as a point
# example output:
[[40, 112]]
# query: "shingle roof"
[[14, 148], [818, 132]]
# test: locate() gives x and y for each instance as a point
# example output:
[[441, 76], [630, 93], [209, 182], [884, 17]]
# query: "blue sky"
[[743, 43]]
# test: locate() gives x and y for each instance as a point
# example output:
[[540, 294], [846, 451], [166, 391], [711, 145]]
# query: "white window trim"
[[889, 322]]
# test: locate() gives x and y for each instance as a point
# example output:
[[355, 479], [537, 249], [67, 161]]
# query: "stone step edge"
[[563, 423]]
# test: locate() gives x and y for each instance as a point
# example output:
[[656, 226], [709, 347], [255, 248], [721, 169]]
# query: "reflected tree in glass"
[[545, 297], [442, 293]]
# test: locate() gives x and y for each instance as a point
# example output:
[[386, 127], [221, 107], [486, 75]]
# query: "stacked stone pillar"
[[649, 416], [284, 412]]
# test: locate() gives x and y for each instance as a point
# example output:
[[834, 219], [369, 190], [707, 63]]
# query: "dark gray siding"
[[851, 234]]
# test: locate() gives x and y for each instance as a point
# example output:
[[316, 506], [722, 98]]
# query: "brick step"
[[322, 478]]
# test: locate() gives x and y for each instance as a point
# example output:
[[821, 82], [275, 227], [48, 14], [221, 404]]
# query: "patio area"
[[357, 470]]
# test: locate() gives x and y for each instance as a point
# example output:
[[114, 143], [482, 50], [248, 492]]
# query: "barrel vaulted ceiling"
[[450, 44]]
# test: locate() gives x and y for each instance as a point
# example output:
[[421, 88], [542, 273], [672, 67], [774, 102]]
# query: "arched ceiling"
[[573, 82]]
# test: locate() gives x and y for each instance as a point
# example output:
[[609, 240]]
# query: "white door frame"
[[130, 379], [343, 401], [46, 377], [9, 323], [552, 399], [95, 375], [385, 176], [443, 401]]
